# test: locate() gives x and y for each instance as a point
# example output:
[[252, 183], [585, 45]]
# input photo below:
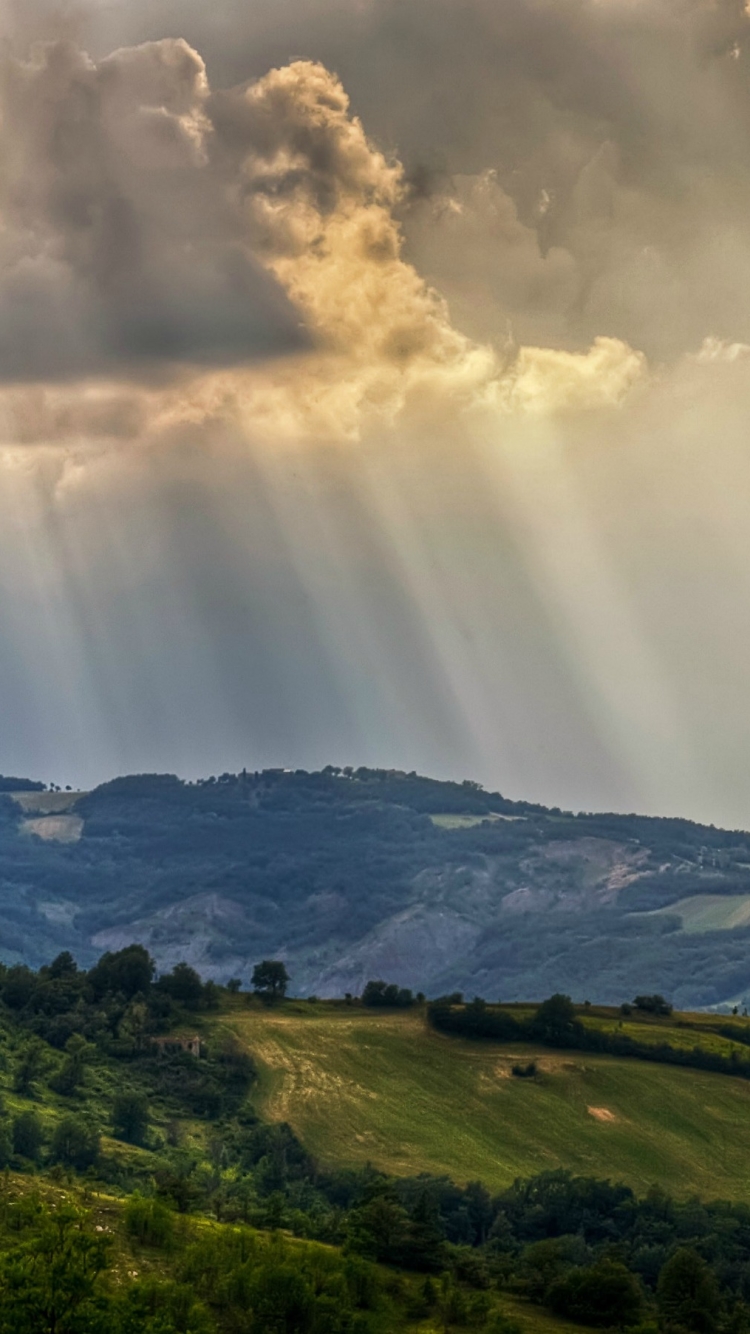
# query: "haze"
[[375, 389]]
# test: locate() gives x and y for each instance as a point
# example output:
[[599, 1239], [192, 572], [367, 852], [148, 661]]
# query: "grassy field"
[[364, 1086], [710, 912]]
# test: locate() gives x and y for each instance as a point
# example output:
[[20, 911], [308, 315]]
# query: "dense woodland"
[[310, 865]]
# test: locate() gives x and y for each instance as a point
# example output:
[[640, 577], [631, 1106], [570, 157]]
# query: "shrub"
[[149, 1221], [524, 1071]]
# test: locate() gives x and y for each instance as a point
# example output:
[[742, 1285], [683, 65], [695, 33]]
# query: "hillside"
[[376, 1087], [349, 875], [155, 1185]]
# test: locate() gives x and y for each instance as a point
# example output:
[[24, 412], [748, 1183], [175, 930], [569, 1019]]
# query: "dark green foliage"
[[270, 980], [50, 1279], [149, 1221], [687, 1294], [31, 1063], [383, 1229], [127, 972], [527, 1071], [130, 1118], [555, 1023], [605, 1294], [10, 784], [183, 984], [387, 995], [28, 1135], [70, 1076], [158, 1307], [652, 1005], [75, 1143]]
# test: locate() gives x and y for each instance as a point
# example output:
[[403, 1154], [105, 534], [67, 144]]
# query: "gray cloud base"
[[123, 248]]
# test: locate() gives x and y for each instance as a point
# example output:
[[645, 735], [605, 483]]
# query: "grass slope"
[[129, 1259], [365, 1086]]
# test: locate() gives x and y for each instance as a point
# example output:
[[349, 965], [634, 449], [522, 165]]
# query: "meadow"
[[362, 1086]]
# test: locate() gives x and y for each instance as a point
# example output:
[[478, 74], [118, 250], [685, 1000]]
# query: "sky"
[[375, 389]]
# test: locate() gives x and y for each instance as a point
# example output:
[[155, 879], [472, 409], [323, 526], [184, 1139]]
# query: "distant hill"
[[349, 875]]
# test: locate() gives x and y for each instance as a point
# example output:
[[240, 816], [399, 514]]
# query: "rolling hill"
[[349, 875], [361, 1086]]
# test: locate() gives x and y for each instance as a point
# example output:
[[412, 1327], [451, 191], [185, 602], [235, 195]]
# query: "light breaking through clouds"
[[374, 389]]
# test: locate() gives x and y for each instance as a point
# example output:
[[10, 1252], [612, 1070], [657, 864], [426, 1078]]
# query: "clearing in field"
[[360, 1086]]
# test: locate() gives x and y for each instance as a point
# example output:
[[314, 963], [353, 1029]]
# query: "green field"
[[470, 821], [710, 912], [364, 1086]]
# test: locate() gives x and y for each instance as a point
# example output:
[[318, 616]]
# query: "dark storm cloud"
[[122, 247]]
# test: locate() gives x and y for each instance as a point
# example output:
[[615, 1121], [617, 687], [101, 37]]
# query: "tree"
[[126, 972], [183, 984], [687, 1293], [605, 1294], [130, 1118], [64, 965], [75, 1143], [555, 1021], [281, 1300], [78, 1052], [655, 1004], [233, 985], [30, 1066], [49, 1282], [28, 1135], [270, 980], [379, 993], [6, 1144]]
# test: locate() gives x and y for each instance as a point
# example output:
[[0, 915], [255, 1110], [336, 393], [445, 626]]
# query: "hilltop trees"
[[270, 980], [386, 994]]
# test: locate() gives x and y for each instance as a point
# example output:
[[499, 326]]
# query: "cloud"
[[120, 250], [163, 223], [321, 203], [616, 132]]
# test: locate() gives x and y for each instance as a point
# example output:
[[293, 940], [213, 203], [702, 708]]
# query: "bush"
[[149, 1221], [524, 1071]]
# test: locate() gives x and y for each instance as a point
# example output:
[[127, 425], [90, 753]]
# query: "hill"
[[152, 1186], [376, 1087], [349, 875]]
